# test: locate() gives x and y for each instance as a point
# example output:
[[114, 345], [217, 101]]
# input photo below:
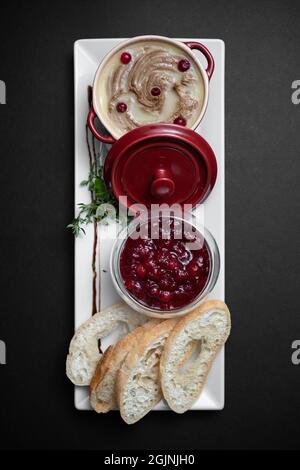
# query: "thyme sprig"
[[102, 201]]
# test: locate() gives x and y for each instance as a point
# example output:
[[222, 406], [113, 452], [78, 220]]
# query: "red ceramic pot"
[[162, 163]]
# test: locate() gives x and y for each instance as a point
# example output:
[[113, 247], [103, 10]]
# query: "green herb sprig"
[[102, 201]]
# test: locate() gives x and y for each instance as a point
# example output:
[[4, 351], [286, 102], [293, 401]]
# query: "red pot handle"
[[210, 60], [108, 139]]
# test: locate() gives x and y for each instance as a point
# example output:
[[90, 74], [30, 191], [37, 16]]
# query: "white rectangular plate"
[[88, 53]]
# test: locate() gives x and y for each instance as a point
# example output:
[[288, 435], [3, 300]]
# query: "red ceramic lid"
[[161, 163]]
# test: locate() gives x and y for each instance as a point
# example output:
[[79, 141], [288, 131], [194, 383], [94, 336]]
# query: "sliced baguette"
[[102, 369], [208, 326], [102, 387], [138, 386], [84, 353]]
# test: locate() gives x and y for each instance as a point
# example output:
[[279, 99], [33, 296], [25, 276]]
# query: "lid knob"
[[162, 185]]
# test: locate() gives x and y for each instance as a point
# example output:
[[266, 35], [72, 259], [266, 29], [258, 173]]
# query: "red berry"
[[154, 291], [193, 269], [154, 274], [149, 263], [129, 284], [121, 107], [183, 65], [125, 58], [173, 264], [167, 283], [181, 275], [180, 121], [165, 296], [188, 287], [141, 271], [139, 294], [155, 91], [180, 293]]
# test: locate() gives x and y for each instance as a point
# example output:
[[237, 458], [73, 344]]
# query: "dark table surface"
[[262, 42]]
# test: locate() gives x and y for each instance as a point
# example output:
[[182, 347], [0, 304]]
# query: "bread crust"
[[107, 365], [84, 354], [205, 307], [131, 361], [101, 369]]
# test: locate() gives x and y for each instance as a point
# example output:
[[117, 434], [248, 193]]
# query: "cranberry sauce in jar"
[[165, 265]]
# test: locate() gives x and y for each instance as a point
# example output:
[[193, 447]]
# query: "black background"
[[262, 42]]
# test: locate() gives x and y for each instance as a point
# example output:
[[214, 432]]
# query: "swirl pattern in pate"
[[151, 88]]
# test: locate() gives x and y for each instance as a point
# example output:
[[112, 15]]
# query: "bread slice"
[[84, 352], [207, 329], [101, 369], [102, 387], [138, 386]]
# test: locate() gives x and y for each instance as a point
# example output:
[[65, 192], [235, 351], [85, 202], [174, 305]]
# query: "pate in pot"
[[151, 82]]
